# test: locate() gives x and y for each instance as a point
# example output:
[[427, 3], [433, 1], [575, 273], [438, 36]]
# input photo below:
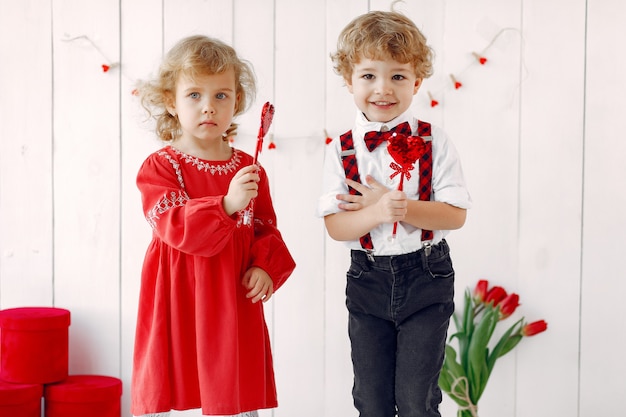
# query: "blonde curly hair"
[[380, 35], [194, 56]]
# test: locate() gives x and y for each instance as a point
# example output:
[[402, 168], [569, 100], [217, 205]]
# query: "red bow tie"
[[373, 138]]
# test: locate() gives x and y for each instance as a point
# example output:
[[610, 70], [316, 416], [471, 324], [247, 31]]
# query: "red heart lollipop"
[[267, 114], [406, 150]]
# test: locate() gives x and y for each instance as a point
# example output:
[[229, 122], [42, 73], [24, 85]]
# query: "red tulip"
[[480, 292], [495, 295], [533, 328], [508, 305]]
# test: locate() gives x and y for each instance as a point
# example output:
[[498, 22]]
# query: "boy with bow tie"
[[400, 284]]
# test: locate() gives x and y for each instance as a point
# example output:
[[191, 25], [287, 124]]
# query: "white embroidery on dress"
[[243, 217], [176, 167], [228, 166], [175, 199], [180, 199]]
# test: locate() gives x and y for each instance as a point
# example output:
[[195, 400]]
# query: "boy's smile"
[[383, 90]]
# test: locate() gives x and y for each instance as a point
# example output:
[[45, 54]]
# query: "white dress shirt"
[[448, 182]]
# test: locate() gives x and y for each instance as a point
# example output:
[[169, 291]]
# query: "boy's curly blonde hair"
[[380, 35], [194, 56]]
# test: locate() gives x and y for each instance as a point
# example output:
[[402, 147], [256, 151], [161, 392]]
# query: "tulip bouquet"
[[465, 373]]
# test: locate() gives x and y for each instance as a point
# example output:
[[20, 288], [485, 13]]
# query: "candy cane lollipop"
[[267, 115]]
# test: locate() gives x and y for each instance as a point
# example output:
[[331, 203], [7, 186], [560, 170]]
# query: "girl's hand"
[[243, 188], [259, 283]]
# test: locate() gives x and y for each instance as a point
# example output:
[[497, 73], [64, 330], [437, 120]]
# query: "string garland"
[[108, 64], [434, 98], [480, 60]]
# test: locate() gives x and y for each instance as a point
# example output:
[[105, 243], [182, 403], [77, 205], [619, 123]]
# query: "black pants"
[[399, 311]]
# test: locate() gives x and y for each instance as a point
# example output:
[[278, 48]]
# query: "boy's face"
[[383, 90]]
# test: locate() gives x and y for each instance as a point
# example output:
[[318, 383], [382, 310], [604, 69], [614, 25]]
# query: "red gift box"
[[84, 395], [20, 400], [34, 344]]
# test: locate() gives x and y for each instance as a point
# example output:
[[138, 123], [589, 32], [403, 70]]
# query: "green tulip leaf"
[[477, 369], [505, 344], [453, 380]]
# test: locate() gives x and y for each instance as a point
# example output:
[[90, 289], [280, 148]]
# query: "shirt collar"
[[362, 125]]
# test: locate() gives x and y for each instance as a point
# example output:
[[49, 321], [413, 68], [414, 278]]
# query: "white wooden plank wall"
[[539, 127]]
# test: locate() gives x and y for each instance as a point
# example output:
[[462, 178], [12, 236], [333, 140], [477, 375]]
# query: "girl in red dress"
[[201, 338]]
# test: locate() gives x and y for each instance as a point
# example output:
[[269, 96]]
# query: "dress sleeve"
[[269, 252], [198, 226]]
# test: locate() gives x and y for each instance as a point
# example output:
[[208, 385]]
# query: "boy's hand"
[[369, 195], [259, 283], [392, 207], [243, 188], [391, 204]]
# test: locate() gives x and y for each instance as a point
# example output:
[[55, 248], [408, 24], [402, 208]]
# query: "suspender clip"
[[348, 152], [370, 255], [427, 246]]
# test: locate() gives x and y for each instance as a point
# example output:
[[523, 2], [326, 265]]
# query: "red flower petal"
[[534, 328], [495, 295], [480, 292], [508, 305]]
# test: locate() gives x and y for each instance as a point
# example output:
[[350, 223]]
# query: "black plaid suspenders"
[[348, 157]]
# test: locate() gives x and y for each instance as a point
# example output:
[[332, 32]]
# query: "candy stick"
[[395, 224], [267, 115]]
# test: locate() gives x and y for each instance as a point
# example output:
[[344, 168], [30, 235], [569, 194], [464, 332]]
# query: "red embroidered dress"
[[200, 343]]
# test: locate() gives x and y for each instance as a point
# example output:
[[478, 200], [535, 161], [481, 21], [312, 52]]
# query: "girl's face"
[[383, 90], [205, 107]]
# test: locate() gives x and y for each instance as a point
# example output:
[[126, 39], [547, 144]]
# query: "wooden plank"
[[253, 39], [207, 17], [299, 308], [340, 113], [429, 17], [604, 225], [86, 180], [141, 55], [26, 248], [551, 155], [482, 119]]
